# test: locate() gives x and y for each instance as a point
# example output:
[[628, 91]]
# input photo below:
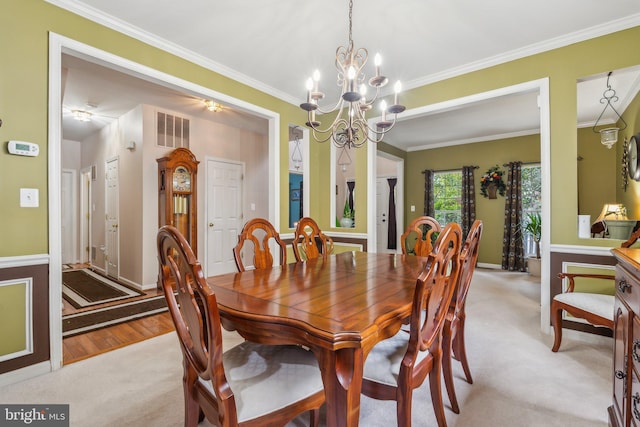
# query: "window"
[[531, 201], [447, 196]]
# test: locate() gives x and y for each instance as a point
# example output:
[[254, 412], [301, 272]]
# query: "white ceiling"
[[275, 46]]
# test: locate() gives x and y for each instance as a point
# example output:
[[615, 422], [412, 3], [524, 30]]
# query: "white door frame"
[[72, 213], [112, 220], [542, 87], [58, 45], [372, 155], [86, 216]]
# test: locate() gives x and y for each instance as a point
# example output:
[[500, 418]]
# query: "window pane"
[[531, 202], [447, 195]]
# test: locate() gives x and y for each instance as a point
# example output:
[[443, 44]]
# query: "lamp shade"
[[612, 211]]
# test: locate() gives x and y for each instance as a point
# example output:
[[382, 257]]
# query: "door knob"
[[210, 224]]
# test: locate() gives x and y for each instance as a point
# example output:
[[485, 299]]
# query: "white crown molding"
[[472, 140], [533, 49], [153, 40], [179, 51]]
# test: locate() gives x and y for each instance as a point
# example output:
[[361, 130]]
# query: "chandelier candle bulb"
[[350, 127], [377, 60]]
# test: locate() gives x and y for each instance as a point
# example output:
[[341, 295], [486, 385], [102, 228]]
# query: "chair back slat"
[[468, 261], [259, 232], [192, 304], [417, 238], [310, 242], [434, 289]]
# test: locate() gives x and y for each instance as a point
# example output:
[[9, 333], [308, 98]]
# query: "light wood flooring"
[[90, 344]]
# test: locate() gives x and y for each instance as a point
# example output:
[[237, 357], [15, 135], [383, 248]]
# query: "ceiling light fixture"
[[350, 127], [81, 115], [609, 136], [213, 106]]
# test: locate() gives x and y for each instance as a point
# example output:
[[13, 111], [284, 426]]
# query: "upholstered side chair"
[[596, 309], [398, 365], [259, 233], [249, 385]]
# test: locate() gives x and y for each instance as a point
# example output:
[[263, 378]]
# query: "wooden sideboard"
[[625, 408]]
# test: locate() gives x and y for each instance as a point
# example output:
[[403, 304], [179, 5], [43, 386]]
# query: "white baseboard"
[[25, 373], [490, 266]]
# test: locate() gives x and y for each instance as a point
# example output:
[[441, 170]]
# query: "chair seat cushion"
[[599, 304], [264, 378], [383, 362]]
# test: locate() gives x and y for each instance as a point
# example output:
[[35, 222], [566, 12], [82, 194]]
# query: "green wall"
[[596, 173], [484, 155], [23, 108]]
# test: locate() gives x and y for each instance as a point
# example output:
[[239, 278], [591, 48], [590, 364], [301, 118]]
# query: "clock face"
[[181, 179], [634, 161]]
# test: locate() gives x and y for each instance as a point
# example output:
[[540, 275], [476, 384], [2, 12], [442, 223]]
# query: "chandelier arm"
[[351, 129]]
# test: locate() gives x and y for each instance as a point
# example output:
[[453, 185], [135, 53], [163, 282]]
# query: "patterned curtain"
[[468, 199], [350, 186], [429, 207], [512, 246], [391, 229]]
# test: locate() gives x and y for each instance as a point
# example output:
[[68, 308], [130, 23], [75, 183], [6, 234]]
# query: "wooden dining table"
[[339, 308]]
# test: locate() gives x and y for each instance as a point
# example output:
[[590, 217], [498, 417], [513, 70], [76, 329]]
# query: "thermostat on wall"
[[22, 148]]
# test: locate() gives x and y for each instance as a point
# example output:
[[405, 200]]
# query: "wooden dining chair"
[[398, 365], [309, 242], [453, 343], [249, 385], [259, 232], [418, 237], [596, 309]]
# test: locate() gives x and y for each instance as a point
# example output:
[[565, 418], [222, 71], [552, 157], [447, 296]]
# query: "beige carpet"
[[518, 381]]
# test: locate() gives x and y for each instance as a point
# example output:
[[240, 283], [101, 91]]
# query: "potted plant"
[[348, 216], [533, 226], [491, 183]]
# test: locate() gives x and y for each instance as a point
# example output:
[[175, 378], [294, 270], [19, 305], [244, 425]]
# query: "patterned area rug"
[[78, 323], [84, 288]]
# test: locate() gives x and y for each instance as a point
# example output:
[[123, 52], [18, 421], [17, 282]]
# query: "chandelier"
[[350, 127], [609, 136]]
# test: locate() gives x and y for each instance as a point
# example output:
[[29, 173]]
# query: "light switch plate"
[[29, 198], [413, 208]]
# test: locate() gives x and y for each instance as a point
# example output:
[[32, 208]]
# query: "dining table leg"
[[342, 372]]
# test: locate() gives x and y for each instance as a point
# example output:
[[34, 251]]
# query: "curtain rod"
[[448, 170]]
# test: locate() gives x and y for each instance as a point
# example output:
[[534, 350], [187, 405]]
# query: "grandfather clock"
[[177, 193]]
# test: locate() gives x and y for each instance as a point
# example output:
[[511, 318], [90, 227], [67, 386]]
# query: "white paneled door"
[[224, 214], [112, 246]]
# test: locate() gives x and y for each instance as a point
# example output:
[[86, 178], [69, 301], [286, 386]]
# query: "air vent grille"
[[173, 131]]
